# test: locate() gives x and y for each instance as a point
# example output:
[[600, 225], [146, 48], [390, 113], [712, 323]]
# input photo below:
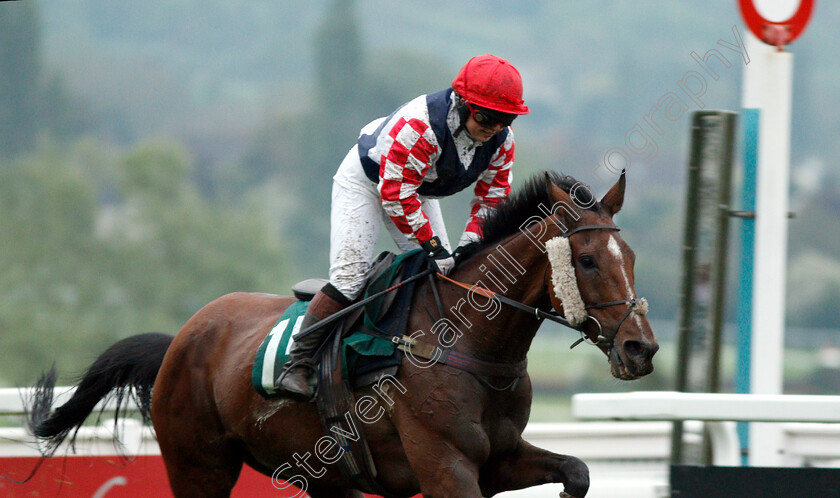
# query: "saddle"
[[367, 358]]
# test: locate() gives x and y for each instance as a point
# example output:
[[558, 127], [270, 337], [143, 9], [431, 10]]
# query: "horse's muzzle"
[[633, 358]]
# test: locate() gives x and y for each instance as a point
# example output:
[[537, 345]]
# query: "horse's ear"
[[560, 195], [614, 199]]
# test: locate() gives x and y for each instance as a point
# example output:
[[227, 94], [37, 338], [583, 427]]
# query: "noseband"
[[602, 338]]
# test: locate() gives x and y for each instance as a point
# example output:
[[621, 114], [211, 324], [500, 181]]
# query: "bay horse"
[[437, 429]]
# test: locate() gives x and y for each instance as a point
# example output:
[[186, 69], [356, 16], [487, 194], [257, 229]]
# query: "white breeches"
[[355, 219]]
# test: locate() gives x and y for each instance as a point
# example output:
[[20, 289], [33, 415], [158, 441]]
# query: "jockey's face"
[[481, 132]]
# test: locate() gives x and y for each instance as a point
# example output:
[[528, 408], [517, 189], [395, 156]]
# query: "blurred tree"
[[45, 273], [396, 76], [20, 66], [340, 83], [340, 79], [278, 148], [78, 273], [323, 136]]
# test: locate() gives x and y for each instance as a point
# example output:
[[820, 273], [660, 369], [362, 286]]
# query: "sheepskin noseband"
[[565, 283]]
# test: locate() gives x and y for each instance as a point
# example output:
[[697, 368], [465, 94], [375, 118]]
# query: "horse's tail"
[[126, 370]]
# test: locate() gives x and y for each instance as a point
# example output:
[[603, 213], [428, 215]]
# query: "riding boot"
[[293, 380]]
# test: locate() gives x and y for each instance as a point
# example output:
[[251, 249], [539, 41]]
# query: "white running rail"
[[626, 458]]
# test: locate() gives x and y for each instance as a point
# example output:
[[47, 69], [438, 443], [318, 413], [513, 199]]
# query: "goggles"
[[489, 117]]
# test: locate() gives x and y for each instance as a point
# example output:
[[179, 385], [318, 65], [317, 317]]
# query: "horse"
[[432, 428]]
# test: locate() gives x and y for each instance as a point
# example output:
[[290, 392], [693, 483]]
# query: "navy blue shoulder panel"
[[453, 175], [438, 105]]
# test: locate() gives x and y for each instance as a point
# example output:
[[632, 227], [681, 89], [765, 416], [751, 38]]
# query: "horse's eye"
[[587, 261]]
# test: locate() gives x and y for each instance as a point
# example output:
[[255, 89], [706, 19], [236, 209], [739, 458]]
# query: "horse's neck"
[[515, 268]]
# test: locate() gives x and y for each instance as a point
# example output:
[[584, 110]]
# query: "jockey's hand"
[[458, 254], [440, 258]]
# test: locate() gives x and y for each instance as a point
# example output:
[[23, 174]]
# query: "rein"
[[554, 317], [480, 367], [335, 316], [538, 313], [601, 338]]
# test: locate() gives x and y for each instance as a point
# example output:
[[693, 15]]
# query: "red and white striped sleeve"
[[407, 155], [491, 188]]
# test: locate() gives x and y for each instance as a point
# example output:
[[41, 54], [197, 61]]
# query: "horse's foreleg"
[[446, 475], [531, 466], [442, 470]]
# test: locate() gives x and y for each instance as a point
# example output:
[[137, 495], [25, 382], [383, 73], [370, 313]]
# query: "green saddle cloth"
[[273, 353]]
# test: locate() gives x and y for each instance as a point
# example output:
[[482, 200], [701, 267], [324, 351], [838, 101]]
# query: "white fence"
[[135, 439], [810, 424], [626, 458]]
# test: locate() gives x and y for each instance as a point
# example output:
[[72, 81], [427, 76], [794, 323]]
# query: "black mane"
[[523, 204]]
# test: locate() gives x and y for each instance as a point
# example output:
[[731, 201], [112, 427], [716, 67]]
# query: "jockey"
[[431, 147]]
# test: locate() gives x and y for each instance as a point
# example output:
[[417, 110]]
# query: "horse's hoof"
[[577, 478]]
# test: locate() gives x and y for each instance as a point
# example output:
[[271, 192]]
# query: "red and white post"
[[767, 87]]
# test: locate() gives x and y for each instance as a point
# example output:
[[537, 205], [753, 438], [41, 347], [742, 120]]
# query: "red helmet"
[[491, 82]]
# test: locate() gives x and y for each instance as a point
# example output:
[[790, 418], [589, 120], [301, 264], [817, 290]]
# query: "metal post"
[[718, 283], [686, 289], [719, 260], [705, 243]]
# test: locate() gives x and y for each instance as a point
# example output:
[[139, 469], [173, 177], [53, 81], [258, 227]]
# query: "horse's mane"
[[513, 212]]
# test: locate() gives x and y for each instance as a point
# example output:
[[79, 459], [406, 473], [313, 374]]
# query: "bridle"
[[601, 339]]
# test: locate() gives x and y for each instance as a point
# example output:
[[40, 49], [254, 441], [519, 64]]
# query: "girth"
[[460, 361]]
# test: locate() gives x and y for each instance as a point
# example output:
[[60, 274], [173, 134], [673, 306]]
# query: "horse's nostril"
[[640, 350], [635, 349]]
